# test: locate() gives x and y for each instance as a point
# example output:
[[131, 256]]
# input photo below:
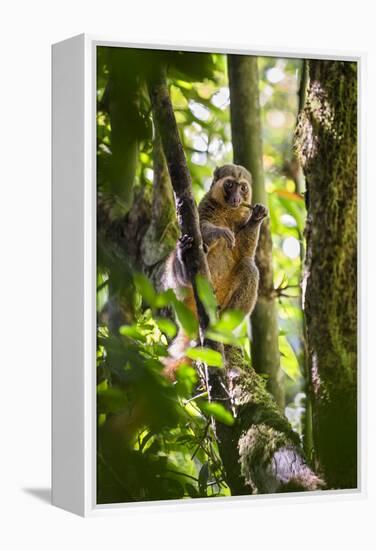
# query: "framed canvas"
[[206, 285]]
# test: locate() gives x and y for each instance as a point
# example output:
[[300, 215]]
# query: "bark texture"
[[247, 147], [160, 237], [260, 452], [270, 455], [327, 144]]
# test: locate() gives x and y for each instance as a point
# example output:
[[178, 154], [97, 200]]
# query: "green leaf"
[[145, 288], [218, 411], [187, 319], [230, 319], [164, 299], [132, 332], [144, 440], [209, 356], [187, 439], [166, 326], [112, 400], [160, 350], [223, 337], [186, 377], [187, 373], [206, 294], [190, 66]]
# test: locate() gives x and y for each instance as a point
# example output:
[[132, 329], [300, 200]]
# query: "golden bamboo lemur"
[[230, 230]]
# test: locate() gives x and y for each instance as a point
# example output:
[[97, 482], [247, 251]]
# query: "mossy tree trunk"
[[301, 188], [327, 144], [247, 147], [260, 452]]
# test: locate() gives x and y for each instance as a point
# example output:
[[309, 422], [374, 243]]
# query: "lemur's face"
[[236, 191], [232, 186]]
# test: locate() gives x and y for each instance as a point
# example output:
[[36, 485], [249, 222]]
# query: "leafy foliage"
[[174, 439], [155, 438]]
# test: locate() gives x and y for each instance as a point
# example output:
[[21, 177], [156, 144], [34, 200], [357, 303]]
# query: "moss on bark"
[[327, 145], [270, 456]]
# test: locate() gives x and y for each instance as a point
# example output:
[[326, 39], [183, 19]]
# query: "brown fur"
[[230, 231]]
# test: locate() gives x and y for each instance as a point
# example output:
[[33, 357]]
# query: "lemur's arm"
[[211, 233], [248, 235]]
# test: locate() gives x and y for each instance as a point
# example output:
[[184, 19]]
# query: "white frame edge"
[[68, 264], [74, 278]]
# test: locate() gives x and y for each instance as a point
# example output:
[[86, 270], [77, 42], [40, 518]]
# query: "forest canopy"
[[275, 425]]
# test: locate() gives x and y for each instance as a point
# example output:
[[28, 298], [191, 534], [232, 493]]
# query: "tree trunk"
[[260, 452], [160, 238], [269, 451], [247, 147], [122, 93], [327, 144], [300, 189]]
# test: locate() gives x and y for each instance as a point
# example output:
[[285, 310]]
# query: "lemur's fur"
[[230, 230]]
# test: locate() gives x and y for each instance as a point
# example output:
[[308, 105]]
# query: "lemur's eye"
[[244, 188], [229, 184]]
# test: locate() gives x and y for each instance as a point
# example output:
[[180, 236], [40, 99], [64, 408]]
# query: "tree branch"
[[187, 213]]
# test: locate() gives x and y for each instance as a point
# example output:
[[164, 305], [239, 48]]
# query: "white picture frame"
[[74, 276]]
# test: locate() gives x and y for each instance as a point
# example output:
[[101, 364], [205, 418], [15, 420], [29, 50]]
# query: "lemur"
[[230, 229]]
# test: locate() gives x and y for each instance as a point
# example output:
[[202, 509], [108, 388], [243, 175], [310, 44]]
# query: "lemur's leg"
[[244, 294]]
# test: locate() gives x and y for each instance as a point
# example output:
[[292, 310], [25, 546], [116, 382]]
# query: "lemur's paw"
[[185, 243], [259, 212], [226, 234]]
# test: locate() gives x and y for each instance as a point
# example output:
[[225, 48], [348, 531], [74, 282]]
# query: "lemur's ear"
[[216, 175]]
